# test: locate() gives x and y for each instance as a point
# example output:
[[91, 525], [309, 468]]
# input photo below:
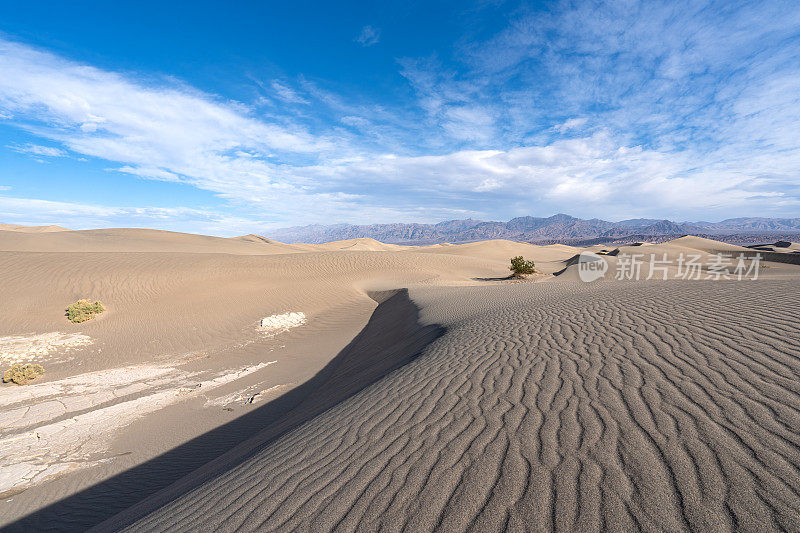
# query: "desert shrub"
[[520, 267], [22, 374], [84, 310]]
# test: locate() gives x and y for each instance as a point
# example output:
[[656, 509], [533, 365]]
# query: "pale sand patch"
[[39, 348], [70, 441], [283, 322]]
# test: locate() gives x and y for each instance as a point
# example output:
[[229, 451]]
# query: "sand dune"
[[792, 247], [785, 247], [652, 406], [137, 240], [704, 245], [501, 250], [302, 387], [31, 229], [362, 244], [548, 258], [165, 307]]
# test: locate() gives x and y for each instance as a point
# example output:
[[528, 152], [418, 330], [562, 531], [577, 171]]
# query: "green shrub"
[[520, 267], [84, 310], [22, 374]]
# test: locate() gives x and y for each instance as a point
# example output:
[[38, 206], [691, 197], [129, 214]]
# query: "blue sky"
[[236, 119]]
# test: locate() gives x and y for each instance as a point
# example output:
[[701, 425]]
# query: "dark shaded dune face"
[[661, 407]]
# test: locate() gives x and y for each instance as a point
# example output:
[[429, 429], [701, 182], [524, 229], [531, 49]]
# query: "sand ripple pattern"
[[669, 406]]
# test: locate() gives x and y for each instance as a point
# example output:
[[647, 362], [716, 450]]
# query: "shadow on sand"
[[392, 338], [499, 278]]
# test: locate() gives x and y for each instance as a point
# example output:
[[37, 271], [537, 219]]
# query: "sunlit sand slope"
[[31, 229], [662, 406], [136, 240]]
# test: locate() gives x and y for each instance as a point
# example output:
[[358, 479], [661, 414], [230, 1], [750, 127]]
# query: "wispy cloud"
[[287, 94], [368, 36], [33, 211], [571, 124], [37, 150]]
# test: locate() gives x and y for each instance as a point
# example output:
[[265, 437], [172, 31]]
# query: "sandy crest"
[[137, 240], [548, 258], [31, 229]]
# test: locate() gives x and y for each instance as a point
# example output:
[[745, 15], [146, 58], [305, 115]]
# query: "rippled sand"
[[655, 406]]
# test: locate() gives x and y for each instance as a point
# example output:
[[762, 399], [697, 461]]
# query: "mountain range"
[[545, 230]]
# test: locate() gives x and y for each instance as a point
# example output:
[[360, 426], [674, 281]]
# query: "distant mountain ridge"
[[557, 228]]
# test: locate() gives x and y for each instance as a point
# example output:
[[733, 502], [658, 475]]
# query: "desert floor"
[[393, 387]]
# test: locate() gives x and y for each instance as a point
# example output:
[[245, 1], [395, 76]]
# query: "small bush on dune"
[[520, 267], [84, 310], [22, 374]]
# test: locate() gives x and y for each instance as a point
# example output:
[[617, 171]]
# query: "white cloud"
[[32, 211], [38, 150], [578, 173], [571, 124], [488, 184], [368, 36], [468, 123], [287, 94], [456, 109], [358, 122]]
